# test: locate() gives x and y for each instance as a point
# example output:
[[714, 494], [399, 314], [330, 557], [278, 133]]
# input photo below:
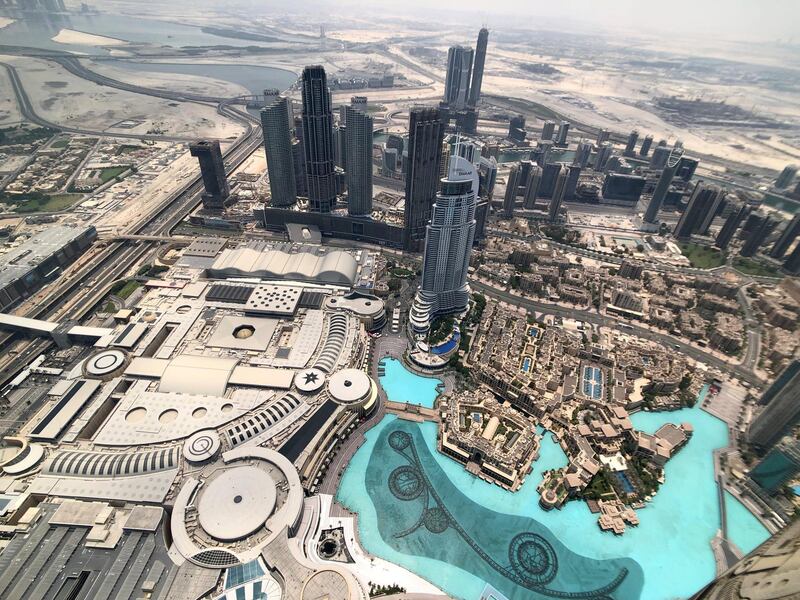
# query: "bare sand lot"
[[70, 36], [71, 101], [9, 109]]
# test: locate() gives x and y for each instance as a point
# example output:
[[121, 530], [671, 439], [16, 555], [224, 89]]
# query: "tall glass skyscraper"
[[662, 187], [358, 150], [212, 170], [448, 243], [278, 148], [477, 72], [459, 71], [782, 410], [425, 135], [318, 140]]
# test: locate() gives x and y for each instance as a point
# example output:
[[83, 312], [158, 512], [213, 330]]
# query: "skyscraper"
[[511, 192], [299, 159], [708, 219], [704, 199], [425, 135], [630, 146], [764, 226], [583, 153], [212, 170], [788, 236], [646, 144], [477, 72], [563, 132], [516, 129], [548, 129], [779, 466], [459, 70], [358, 148], [662, 187], [732, 223], [318, 140], [558, 194], [786, 177], [792, 263], [278, 148], [781, 411], [532, 188], [602, 136], [572, 183], [448, 243], [604, 152]]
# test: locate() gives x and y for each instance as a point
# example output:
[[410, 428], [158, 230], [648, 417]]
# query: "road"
[[75, 296], [668, 341], [28, 112]]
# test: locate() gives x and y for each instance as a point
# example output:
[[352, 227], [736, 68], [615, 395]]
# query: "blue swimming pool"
[[447, 346], [526, 364]]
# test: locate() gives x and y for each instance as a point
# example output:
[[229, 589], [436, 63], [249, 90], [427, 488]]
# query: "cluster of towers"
[[302, 152], [462, 86]]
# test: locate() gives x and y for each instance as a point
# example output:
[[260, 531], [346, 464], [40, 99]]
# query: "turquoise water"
[[401, 385], [744, 529], [671, 544]]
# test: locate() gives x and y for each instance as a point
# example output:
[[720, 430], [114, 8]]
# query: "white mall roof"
[[337, 267]]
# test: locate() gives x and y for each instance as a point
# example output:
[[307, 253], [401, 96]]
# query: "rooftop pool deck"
[[424, 511]]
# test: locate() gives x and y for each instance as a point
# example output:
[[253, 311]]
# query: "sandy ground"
[[71, 101], [9, 110], [70, 36], [170, 81]]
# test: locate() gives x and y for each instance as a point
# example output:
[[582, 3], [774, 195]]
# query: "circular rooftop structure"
[[309, 380], [105, 363], [351, 387], [201, 446], [236, 503]]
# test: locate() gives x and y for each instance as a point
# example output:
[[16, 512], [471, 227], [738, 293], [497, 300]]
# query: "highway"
[[668, 341], [75, 296]]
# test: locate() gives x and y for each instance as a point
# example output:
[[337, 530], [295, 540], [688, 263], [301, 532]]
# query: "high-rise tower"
[[762, 228], [704, 199], [662, 187], [212, 170], [730, 226], [358, 148], [630, 146], [782, 409], [448, 243], [278, 148], [511, 192], [318, 140], [558, 194], [477, 72], [425, 136], [787, 237], [459, 70]]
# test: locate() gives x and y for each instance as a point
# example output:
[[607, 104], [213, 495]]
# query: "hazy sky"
[[760, 19]]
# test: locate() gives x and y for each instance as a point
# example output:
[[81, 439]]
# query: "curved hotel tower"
[[448, 243]]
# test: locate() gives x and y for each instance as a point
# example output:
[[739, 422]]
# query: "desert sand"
[[70, 36]]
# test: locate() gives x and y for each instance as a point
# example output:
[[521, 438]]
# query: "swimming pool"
[[671, 543], [526, 364], [401, 385], [447, 346]]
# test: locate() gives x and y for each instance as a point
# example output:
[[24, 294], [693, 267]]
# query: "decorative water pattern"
[[671, 544], [423, 513]]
